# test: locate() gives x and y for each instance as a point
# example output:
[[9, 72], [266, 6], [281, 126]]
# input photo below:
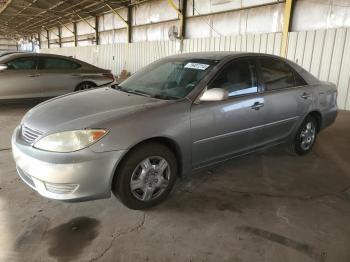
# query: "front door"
[[20, 79], [222, 129]]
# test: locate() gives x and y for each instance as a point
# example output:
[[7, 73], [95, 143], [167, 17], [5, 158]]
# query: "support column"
[[60, 36], [183, 10], [97, 35], [287, 24], [129, 24], [39, 39], [75, 34], [48, 39]]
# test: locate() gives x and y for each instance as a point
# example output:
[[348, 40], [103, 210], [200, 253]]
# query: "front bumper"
[[78, 176]]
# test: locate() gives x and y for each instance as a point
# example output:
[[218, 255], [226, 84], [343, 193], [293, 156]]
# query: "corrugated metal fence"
[[325, 53]]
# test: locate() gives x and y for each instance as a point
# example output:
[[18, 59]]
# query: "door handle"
[[305, 95], [34, 75], [257, 105]]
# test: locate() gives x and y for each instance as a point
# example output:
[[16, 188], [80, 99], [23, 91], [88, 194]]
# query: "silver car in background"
[[176, 115], [31, 75], [3, 53]]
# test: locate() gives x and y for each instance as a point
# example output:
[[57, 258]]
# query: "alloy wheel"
[[307, 136], [150, 178]]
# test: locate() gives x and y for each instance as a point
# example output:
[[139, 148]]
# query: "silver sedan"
[[30, 75], [176, 115]]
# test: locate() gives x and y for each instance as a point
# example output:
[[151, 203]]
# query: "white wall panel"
[[321, 14], [66, 32], [326, 54], [262, 19], [152, 12]]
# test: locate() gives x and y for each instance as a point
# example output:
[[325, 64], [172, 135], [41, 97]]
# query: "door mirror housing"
[[214, 94], [3, 67]]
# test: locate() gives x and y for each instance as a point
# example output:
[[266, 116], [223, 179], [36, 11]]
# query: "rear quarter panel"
[[94, 75], [325, 102]]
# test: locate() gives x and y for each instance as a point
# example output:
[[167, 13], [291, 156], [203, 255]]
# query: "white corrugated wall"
[[325, 53]]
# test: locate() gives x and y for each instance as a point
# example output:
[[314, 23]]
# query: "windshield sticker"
[[197, 66]]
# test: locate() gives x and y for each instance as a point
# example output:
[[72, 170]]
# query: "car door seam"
[[244, 130]]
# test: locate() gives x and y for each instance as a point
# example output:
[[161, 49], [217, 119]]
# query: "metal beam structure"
[[287, 23], [66, 27], [127, 22], [181, 11], [25, 17], [116, 13]]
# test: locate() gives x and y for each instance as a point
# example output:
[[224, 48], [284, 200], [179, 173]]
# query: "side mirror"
[[214, 94], [3, 67]]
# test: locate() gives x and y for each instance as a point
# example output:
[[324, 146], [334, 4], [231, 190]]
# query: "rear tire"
[[146, 176], [305, 137], [85, 86]]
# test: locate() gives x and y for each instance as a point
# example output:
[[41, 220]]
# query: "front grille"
[[30, 135]]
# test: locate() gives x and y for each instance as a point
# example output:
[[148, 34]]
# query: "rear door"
[[287, 99], [20, 79], [58, 75], [222, 129]]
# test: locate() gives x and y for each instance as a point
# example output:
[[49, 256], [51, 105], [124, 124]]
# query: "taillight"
[[109, 75]]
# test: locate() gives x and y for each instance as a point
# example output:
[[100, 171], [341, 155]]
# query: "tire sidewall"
[[297, 140], [122, 183], [79, 87]]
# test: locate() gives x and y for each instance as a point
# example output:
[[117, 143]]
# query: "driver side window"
[[238, 78]]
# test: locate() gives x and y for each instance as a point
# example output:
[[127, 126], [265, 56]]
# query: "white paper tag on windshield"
[[197, 66]]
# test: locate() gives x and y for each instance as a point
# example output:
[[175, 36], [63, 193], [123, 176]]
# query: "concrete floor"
[[265, 207]]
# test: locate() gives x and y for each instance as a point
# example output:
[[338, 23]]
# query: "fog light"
[[61, 188]]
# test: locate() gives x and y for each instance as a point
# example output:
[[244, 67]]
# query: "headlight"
[[69, 141]]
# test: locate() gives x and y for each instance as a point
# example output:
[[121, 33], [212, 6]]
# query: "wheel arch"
[[85, 81], [168, 142], [318, 117]]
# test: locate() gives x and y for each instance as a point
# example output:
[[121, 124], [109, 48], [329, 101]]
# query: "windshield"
[[168, 79]]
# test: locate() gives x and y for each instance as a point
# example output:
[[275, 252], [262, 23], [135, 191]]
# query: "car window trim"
[[234, 60], [280, 89]]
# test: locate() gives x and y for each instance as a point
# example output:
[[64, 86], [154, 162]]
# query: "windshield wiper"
[[136, 92]]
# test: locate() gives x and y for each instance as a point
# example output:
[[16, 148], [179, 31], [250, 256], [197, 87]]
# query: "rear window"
[[52, 63], [278, 75]]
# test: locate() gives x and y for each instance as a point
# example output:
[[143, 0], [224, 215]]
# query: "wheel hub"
[[150, 178], [308, 136]]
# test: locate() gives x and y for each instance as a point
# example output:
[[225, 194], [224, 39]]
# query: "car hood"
[[86, 109]]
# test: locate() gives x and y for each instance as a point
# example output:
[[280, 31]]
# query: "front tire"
[[85, 86], [146, 177], [305, 137]]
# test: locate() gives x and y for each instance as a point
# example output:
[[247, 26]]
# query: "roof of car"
[[32, 54], [217, 55], [19, 55]]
